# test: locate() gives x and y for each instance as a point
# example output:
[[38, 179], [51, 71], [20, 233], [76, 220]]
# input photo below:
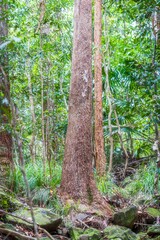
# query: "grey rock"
[[126, 217]]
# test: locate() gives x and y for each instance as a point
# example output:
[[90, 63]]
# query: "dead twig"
[[16, 234], [46, 232], [78, 220]]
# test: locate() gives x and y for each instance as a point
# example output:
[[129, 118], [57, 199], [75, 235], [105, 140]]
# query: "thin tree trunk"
[[64, 98], [156, 55], [32, 142], [22, 165], [109, 99], [5, 113], [156, 52], [43, 120], [49, 123], [121, 143], [42, 8], [20, 151], [100, 157]]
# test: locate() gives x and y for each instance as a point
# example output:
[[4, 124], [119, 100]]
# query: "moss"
[[142, 236], [93, 234], [153, 212], [44, 217], [157, 238], [90, 195], [89, 234], [8, 201], [154, 230], [119, 233], [126, 217], [75, 233]]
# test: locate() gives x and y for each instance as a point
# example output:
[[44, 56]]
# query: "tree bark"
[[155, 60], [109, 96], [5, 114], [77, 176], [100, 157], [31, 99]]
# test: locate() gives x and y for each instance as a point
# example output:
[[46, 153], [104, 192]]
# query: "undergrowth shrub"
[[142, 181], [106, 185], [43, 189]]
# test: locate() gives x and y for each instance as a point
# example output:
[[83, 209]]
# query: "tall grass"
[[43, 188], [139, 184], [106, 185], [143, 181]]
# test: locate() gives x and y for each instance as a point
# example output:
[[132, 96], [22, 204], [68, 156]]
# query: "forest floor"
[[136, 216]]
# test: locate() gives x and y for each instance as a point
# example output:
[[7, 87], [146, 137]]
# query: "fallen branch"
[[46, 232], [143, 224], [138, 161], [62, 237], [16, 234], [81, 222]]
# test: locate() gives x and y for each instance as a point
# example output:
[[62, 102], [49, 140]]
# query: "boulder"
[[89, 234], [126, 217], [119, 233], [43, 217]]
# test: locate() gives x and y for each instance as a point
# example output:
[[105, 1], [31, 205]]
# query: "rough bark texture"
[[5, 137], [77, 176], [100, 157]]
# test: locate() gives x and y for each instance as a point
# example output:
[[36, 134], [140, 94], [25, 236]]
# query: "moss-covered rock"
[[154, 230], [153, 212], [89, 234], [119, 233], [157, 238], [8, 201], [126, 217], [142, 236], [75, 233], [43, 217], [7, 226]]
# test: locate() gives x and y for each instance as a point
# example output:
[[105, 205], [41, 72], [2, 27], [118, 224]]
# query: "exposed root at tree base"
[[99, 205]]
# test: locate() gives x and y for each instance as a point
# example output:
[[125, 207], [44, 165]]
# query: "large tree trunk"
[[5, 136], [100, 157], [77, 176]]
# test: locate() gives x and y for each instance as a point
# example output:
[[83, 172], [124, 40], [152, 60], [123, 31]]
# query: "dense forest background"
[[35, 73]]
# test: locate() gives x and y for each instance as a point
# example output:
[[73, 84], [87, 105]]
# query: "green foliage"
[[45, 53], [106, 185], [142, 182], [43, 189], [136, 186], [132, 74]]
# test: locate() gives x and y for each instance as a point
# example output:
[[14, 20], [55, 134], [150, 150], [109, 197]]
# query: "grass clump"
[[43, 188], [142, 182]]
